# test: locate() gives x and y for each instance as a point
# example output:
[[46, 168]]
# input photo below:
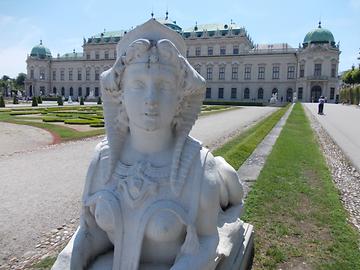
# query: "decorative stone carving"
[[154, 198]]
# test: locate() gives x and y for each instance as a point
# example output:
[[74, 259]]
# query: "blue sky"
[[63, 24]]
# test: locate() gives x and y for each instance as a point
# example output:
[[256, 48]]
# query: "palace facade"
[[235, 68]]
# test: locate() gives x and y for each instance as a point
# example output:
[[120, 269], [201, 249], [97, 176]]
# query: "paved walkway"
[[41, 190], [342, 124]]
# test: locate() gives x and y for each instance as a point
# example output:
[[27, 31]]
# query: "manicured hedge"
[[52, 119], [79, 121], [97, 125], [24, 112], [231, 103]]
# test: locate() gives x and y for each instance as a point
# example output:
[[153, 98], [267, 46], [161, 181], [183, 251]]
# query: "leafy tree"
[[81, 101], [39, 100], [99, 101], [5, 78], [34, 102], [2, 102], [347, 77], [20, 79], [60, 101], [355, 75], [15, 100]]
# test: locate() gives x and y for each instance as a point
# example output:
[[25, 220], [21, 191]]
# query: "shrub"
[[24, 112], [232, 103], [79, 121], [15, 100], [97, 125], [34, 102], [2, 102], [52, 119], [81, 101], [99, 101], [39, 100], [60, 101]]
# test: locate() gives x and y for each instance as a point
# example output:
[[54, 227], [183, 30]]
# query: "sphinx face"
[[150, 95]]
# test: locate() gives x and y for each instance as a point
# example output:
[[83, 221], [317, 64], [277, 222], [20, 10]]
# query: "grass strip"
[[237, 150], [295, 208]]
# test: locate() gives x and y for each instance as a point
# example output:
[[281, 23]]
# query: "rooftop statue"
[[154, 198]]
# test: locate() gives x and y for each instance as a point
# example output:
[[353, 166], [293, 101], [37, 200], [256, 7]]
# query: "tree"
[[34, 102], [355, 75], [60, 101], [347, 77], [20, 79], [39, 100], [99, 101], [2, 102], [15, 100], [5, 78], [81, 101]]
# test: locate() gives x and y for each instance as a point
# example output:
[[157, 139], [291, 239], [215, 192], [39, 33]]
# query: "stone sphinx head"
[[153, 86]]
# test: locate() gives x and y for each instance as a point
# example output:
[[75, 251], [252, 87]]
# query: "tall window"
[[96, 91], [70, 75], [208, 93], [291, 72], [106, 55], [276, 72], [221, 73], [300, 93], [246, 93], [54, 90], [42, 90], [80, 92], [317, 70], [31, 74], [236, 49], [221, 93], [247, 73], [115, 54], [222, 50], [97, 55], [333, 70], [261, 74], [302, 71], [197, 51], [42, 74], [234, 72], [79, 75], [87, 74], [210, 50], [87, 92], [62, 75], [233, 93], [209, 71], [97, 74], [71, 91], [87, 56], [332, 93], [62, 91], [260, 93], [54, 75]]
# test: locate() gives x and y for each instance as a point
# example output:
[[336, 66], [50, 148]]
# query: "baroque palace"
[[235, 68]]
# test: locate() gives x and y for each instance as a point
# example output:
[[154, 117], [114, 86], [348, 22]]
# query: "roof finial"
[[319, 23], [104, 30], [73, 50], [40, 41], [167, 14], [152, 14]]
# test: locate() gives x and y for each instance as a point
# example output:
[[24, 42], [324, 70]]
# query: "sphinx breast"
[[164, 226]]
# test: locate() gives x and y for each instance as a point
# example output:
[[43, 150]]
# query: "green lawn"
[[295, 208]]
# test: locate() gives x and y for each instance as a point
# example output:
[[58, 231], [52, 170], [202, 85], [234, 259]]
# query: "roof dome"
[[319, 35], [40, 51], [168, 22]]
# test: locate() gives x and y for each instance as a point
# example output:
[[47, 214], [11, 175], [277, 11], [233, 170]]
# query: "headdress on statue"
[[149, 43]]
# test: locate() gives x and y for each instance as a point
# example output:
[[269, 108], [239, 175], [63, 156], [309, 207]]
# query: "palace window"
[[247, 73], [31, 74], [260, 93], [42, 74], [222, 50], [79, 75], [221, 93], [198, 68], [87, 74], [208, 93], [42, 90], [54, 75], [234, 72], [70, 76], [210, 51], [197, 51], [97, 55], [302, 71], [246, 93], [187, 53], [209, 71], [71, 91], [106, 55], [333, 70], [87, 91], [96, 91], [276, 72], [88, 56], [62, 91], [79, 92], [261, 74], [236, 49], [97, 74], [291, 72], [332, 93], [222, 73], [317, 70], [300, 93], [62, 75], [54, 90], [233, 93]]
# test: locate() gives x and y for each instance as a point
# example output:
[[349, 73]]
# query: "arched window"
[[54, 90], [80, 92], [62, 91], [289, 95], [260, 93], [71, 91], [246, 93], [30, 90]]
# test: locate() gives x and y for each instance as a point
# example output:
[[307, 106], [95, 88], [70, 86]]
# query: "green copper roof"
[[213, 27], [107, 37], [319, 35], [40, 51], [72, 55], [170, 23]]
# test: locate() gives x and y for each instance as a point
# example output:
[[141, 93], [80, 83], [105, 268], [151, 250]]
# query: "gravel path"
[[41, 190], [15, 138], [344, 174]]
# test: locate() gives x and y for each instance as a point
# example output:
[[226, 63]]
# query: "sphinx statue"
[[154, 197]]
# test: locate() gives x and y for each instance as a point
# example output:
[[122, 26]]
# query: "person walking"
[[321, 105]]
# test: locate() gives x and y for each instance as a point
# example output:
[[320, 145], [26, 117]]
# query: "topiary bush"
[[99, 101], [39, 100], [81, 101], [2, 102], [34, 102], [60, 101], [15, 100]]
